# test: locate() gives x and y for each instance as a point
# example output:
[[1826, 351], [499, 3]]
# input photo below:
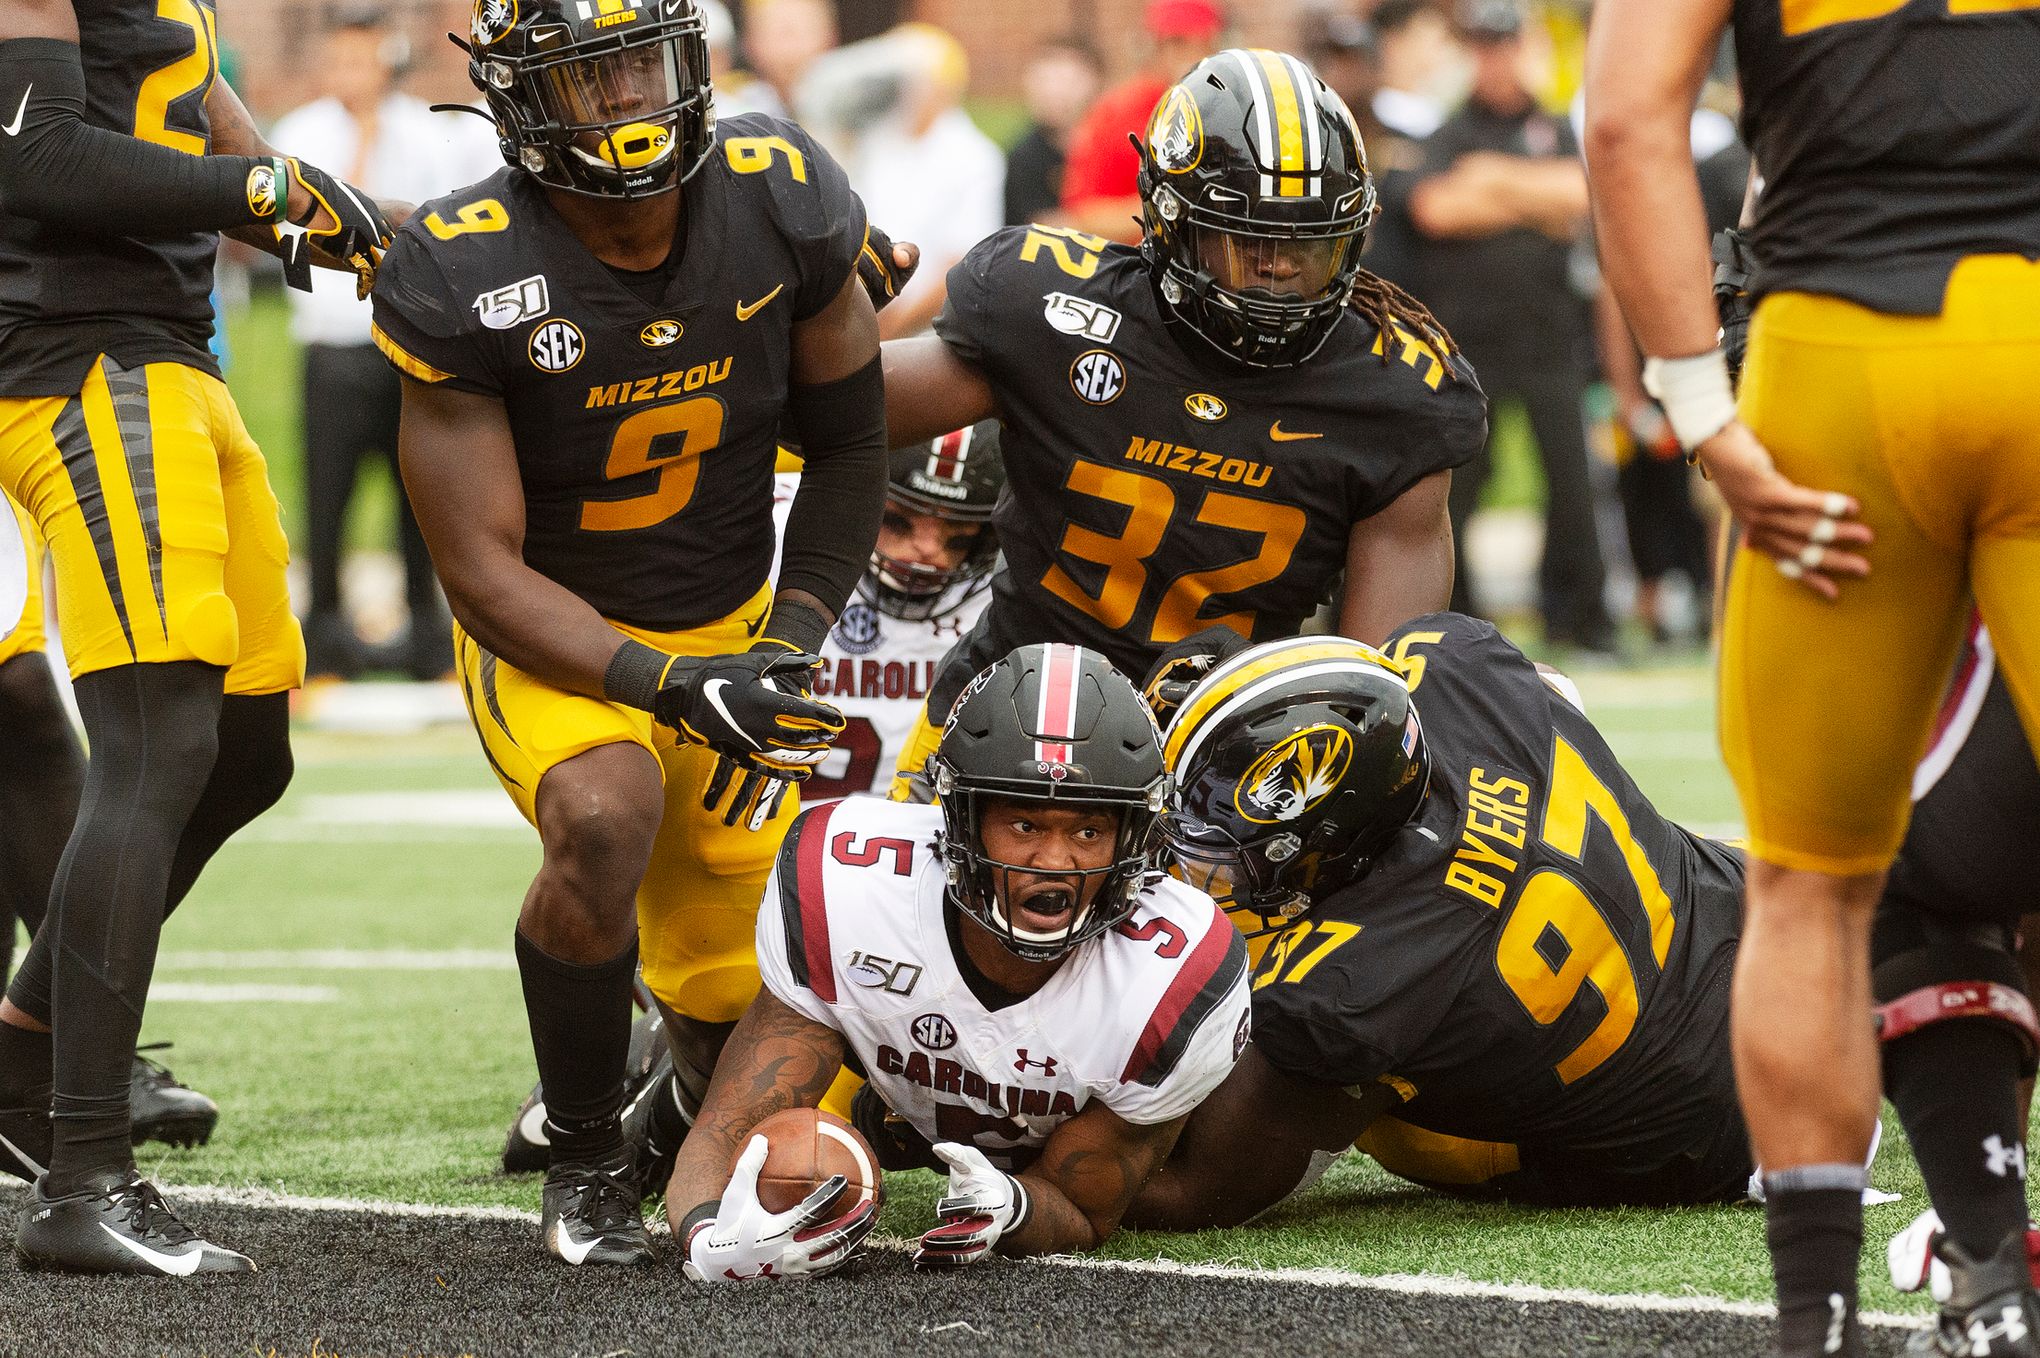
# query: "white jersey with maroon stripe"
[[853, 933], [877, 672]]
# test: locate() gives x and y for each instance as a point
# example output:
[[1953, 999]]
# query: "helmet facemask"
[[625, 116], [1272, 875], [914, 591]]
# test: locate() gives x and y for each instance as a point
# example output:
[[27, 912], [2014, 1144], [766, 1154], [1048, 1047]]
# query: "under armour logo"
[[1840, 1315], [1022, 1064], [2003, 1160], [2011, 1328], [764, 1271]]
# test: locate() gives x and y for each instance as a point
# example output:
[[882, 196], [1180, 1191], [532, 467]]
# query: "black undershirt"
[[649, 285], [990, 993]]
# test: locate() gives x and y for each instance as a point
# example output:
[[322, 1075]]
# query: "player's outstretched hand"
[[1811, 535], [982, 1206], [337, 220], [1183, 666], [745, 1243], [885, 266], [752, 707], [744, 796]]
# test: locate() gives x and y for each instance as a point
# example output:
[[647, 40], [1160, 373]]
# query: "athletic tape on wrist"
[[1698, 400], [635, 673], [798, 625]]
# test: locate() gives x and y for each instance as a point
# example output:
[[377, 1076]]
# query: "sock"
[[580, 1031], [1956, 1088], [154, 733], [25, 1057], [1813, 1222]]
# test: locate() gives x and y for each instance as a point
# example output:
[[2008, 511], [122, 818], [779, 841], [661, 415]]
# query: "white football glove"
[[1915, 1263], [743, 1242], [982, 1206]]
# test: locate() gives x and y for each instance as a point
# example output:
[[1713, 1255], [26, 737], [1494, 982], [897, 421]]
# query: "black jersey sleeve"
[[1349, 995], [817, 211], [1428, 429], [968, 322], [422, 328]]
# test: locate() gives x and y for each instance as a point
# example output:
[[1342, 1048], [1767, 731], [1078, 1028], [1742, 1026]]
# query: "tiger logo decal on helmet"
[[1294, 775]]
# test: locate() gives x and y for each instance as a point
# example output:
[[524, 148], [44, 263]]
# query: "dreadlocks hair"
[[1388, 306]]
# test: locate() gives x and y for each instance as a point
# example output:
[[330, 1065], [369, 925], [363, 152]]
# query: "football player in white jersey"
[[1021, 984], [930, 577]]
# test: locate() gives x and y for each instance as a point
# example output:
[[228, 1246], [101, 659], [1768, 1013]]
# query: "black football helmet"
[[1055, 724], [609, 98], [957, 478], [1256, 202], [1297, 762]]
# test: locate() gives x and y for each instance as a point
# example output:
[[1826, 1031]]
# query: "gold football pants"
[[156, 508], [698, 903], [1929, 422]]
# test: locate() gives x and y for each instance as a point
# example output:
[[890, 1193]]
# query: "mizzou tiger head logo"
[[1176, 134], [1299, 772], [661, 333], [492, 21]]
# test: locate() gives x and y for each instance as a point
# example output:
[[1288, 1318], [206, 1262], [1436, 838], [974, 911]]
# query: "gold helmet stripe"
[[1288, 108], [1241, 672]]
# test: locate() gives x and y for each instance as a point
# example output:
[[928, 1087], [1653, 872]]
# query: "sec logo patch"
[[859, 631], [557, 346], [934, 1032], [1098, 377]]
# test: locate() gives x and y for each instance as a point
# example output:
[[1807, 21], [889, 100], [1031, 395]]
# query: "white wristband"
[[1695, 394]]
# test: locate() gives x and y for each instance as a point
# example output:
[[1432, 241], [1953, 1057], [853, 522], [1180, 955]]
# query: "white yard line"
[[339, 959], [1403, 1284], [197, 992]]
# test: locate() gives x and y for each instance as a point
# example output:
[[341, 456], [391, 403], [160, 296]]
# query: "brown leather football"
[[805, 1146]]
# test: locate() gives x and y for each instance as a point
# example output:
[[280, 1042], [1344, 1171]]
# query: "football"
[[806, 1146]]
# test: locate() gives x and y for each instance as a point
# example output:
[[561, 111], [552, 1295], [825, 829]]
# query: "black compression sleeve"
[[833, 523], [58, 169]]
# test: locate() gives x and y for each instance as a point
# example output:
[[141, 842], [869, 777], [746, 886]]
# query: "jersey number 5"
[[644, 443]]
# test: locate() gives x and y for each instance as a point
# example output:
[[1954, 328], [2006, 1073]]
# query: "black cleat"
[[593, 1214], [163, 1109], [655, 1122], [25, 1139], [119, 1225], [1991, 1310], [526, 1149]]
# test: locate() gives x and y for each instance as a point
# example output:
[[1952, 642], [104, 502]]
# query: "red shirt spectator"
[[1099, 190]]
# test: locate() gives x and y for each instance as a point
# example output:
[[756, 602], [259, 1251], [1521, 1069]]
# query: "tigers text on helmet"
[[955, 479], [608, 98], [1256, 203], [1054, 724], [1297, 762]]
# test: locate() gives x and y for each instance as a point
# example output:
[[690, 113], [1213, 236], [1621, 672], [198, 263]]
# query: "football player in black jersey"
[[1886, 471], [599, 345], [1493, 961], [1211, 427], [122, 155]]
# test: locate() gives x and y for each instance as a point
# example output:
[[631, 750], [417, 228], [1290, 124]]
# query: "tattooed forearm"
[[775, 1059], [1084, 1181]]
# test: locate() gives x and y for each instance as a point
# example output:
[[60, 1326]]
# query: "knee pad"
[[1955, 970]]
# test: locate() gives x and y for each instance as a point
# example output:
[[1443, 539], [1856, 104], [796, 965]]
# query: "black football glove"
[[880, 273], [1732, 266], [752, 708], [357, 237], [756, 797], [1184, 665]]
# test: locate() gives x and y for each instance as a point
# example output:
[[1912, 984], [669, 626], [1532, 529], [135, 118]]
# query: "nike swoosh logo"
[[1281, 435], [14, 128], [176, 1265], [573, 1252], [713, 692], [752, 627], [745, 313]]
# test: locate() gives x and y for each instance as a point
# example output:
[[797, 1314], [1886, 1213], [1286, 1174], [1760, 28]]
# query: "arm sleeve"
[[58, 169], [833, 523], [421, 329], [776, 964]]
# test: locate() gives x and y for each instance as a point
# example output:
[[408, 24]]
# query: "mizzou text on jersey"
[[1153, 493], [1537, 966]]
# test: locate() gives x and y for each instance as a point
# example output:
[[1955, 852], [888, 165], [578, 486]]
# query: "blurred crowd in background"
[[953, 121]]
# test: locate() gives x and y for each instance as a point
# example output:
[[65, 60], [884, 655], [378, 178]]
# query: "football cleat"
[[655, 1122], [592, 1214], [1991, 1310], [165, 1110], [25, 1140], [118, 1225], [527, 1150]]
